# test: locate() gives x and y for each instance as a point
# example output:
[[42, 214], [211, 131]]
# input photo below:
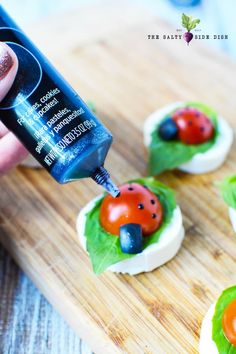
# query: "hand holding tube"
[[11, 150]]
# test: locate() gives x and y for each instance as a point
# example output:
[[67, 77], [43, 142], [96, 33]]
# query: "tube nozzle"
[[102, 177]]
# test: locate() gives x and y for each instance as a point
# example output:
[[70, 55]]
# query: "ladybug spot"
[[144, 186], [152, 201], [130, 188], [154, 216], [140, 206]]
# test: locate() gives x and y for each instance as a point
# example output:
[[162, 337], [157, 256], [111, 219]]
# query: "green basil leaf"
[[228, 190], [223, 345], [167, 155], [104, 248], [91, 105]]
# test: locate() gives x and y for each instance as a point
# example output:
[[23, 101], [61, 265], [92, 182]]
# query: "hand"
[[11, 150]]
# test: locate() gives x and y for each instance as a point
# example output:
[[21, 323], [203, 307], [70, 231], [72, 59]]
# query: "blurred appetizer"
[[30, 161], [228, 191], [189, 136], [218, 332], [136, 232], [92, 106]]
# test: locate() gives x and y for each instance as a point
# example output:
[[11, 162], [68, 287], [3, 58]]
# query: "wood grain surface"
[[28, 323], [128, 77]]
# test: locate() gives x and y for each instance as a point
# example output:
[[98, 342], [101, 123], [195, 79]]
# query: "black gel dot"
[[154, 216], [152, 201], [130, 188], [140, 206]]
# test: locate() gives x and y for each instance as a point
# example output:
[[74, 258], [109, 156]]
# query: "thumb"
[[11, 150], [8, 69]]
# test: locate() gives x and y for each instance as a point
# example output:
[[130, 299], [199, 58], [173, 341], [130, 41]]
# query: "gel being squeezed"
[[49, 117]]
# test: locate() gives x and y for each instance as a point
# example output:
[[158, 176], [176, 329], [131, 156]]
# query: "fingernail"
[[6, 61]]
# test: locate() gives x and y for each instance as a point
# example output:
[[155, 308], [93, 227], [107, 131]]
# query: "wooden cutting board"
[[104, 52]]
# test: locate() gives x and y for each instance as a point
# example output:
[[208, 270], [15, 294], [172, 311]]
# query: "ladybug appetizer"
[[188, 136], [218, 332], [228, 192], [193, 126], [136, 232], [135, 204]]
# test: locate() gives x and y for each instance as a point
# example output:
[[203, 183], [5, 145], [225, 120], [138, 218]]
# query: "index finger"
[[11, 152]]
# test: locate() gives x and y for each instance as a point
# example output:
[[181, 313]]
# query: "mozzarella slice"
[[206, 343], [201, 162], [154, 255], [232, 216], [30, 161]]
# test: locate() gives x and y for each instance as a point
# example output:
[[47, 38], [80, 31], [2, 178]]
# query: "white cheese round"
[[232, 216], [154, 255], [201, 162], [206, 344], [30, 161]]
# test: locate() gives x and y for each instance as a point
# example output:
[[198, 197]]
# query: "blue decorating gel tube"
[[49, 117]]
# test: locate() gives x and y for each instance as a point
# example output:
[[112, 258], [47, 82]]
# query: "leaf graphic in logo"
[[194, 23], [189, 23], [185, 21]]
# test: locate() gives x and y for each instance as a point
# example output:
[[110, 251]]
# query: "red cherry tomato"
[[229, 322], [194, 127], [136, 204]]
